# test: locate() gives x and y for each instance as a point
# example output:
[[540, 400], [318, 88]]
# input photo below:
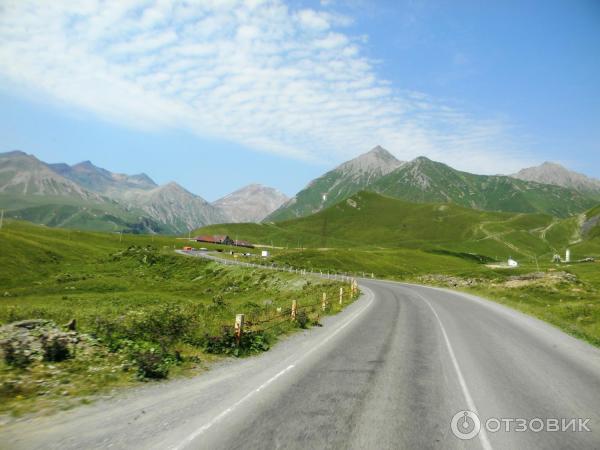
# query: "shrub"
[[302, 318], [152, 362], [17, 353], [225, 343]]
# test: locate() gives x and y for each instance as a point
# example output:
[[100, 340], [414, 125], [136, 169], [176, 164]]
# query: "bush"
[[302, 318], [225, 343], [16, 353], [152, 362]]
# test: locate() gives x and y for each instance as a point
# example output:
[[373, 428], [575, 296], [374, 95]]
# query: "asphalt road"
[[389, 372]]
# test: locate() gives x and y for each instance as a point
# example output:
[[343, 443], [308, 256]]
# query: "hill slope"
[[340, 183], [370, 221]]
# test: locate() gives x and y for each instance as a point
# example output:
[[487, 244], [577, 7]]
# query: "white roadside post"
[[324, 302], [341, 295]]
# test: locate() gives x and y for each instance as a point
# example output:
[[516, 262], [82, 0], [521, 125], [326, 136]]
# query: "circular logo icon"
[[465, 425]]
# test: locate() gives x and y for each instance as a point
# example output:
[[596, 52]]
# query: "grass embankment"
[[148, 312]]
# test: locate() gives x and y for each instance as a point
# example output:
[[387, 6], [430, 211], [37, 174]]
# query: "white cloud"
[[259, 73]]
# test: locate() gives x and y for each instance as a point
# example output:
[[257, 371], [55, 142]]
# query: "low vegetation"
[[82, 313]]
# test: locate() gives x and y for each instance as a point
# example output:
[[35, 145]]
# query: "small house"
[[215, 239], [264, 253]]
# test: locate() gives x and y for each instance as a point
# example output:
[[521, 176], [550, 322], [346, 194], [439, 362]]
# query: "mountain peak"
[[556, 174], [377, 161], [251, 203], [13, 153], [85, 165]]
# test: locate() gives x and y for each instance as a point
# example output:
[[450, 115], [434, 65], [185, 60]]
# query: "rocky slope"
[[24, 174], [251, 203], [175, 207]]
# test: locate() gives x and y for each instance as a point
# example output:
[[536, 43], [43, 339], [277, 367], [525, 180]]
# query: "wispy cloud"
[[290, 81]]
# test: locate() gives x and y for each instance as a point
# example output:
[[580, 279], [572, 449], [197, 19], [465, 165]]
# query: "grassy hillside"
[[371, 221], [78, 214], [141, 311]]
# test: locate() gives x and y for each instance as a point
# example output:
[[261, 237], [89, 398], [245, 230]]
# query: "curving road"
[[388, 372]]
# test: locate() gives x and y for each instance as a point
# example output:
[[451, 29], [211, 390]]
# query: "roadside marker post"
[[294, 309], [341, 295], [324, 303], [239, 328]]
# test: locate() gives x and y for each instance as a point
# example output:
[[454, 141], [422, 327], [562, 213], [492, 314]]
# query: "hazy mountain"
[[340, 183], [552, 173], [423, 180], [251, 203], [101, 180], [175, 207], [24, 174]]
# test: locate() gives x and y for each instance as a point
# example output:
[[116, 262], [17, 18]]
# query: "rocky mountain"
[[340, 183], [24, 174], [423, 180], [88, 197], [178, 209], [555, 174], [100, 180], [251, 203]]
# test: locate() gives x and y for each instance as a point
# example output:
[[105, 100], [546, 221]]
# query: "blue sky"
[[218, 94]]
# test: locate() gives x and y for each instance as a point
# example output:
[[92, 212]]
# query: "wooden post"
[[324, 303], [341, 295], [294, 309], [239, 328]]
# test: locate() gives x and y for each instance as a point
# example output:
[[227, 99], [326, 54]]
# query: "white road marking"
[[485, 443], [189, 439]]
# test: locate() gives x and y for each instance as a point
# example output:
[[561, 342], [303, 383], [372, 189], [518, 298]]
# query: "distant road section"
[[391, 371]]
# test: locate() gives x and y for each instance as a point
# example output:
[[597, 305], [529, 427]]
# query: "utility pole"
[[1, 218]]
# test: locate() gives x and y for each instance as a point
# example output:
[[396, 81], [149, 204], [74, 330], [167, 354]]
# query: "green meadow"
[[141, 311]]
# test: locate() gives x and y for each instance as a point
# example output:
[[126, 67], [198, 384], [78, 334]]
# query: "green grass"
[[134, 295], [371, 221]]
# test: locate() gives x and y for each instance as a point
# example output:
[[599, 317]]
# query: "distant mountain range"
[[89, 197], [560, 193]]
